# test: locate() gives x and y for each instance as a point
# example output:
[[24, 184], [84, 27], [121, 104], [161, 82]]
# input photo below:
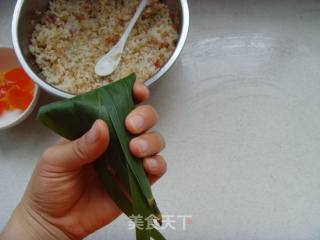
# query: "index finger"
[[140, 92]]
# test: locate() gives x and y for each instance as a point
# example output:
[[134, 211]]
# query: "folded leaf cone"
[[122, 174]]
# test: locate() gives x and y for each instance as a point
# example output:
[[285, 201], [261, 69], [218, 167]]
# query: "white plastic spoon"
[[108, 63]]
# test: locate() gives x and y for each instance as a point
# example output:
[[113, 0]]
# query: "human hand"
[[64, 198]]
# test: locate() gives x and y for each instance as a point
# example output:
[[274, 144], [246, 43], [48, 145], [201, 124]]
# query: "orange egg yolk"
[[16, 90]]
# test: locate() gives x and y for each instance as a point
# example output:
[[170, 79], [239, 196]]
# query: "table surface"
[[240, 112]]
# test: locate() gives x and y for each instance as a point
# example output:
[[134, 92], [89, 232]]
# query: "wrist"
[[26, 224]]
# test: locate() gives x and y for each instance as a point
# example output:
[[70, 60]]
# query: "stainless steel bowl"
[[25, 19]]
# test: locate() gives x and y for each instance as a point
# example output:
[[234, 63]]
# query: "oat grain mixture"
[[73, 34]]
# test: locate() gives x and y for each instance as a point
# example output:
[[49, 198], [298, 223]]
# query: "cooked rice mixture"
[[74, 34]]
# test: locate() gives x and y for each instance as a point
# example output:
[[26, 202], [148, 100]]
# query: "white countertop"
[[240, 111]]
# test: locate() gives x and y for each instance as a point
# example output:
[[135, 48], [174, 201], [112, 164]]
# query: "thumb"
[[72, 155]]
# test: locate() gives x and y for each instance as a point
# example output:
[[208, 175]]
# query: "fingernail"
[[137, 121], [152, 163], [93, 135], [142, 146]]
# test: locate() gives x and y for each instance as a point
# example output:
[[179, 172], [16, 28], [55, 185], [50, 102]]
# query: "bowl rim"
[[60, 93], [22, 116], [182, 40]]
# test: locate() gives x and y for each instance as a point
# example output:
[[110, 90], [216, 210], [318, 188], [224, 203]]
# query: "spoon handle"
[[133, 21]]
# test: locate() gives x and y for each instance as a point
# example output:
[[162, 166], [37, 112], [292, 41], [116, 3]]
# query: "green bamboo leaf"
[[122, 175]]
